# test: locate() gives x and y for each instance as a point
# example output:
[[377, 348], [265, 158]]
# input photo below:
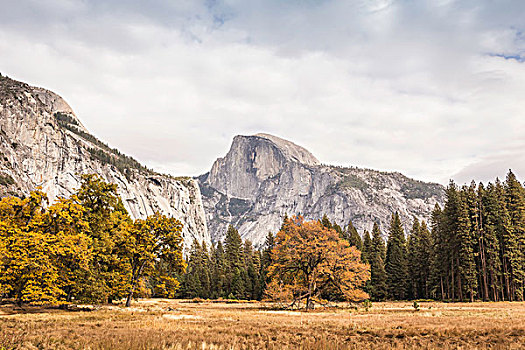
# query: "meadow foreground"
[[178, 324]]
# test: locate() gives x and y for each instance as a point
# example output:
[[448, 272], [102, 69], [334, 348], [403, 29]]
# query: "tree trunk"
[[308, 301], [506, 276], [442, 289], [484, 269], [460, 283], [130, 295], [134, 281], [453, 284], [310, 291], [502, 289]]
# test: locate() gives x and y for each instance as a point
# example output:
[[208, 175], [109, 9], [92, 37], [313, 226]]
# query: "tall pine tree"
[[468, 279], [376, 257], [367, 247], [396, 260], [515, 200], [235, 268], [413, 261], [353, 237], [490, 244]]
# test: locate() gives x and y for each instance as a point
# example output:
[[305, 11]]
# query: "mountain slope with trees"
[[472, 249]]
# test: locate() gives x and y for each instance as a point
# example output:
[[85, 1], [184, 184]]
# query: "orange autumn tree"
[[309, 259]]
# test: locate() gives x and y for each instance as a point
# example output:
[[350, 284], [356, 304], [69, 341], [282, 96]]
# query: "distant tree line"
[[473, 249], [230, 270], [86, 248]]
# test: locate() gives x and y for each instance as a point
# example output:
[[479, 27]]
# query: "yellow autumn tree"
[[27, 268], [308, 259], [72, 252], [156, 239], [85, 248], [109, 227]]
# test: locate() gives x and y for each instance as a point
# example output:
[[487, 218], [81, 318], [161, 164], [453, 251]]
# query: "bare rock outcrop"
[[264, 177], [44, 144]]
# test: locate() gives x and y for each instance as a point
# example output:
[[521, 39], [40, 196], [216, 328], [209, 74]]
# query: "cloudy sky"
[[434, 89]]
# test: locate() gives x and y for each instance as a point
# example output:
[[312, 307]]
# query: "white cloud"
[[426, 88]]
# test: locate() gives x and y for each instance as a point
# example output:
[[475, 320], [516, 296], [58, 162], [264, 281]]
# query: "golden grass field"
[[178, 324]]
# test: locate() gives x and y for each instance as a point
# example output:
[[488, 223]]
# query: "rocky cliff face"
[[263, 177], [43, 143]]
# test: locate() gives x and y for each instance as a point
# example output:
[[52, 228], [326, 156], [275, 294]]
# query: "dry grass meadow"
[[178, 324]]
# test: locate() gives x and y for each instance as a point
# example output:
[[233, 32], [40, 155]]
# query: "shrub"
[[415, 305]]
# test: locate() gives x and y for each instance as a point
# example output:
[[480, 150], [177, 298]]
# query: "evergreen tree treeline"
[[233, 270], [479, 243], [473, 249]]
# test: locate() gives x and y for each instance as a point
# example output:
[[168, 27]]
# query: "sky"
[[434, 89]]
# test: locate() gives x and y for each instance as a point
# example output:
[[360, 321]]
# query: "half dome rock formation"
[[44, 144], [263, 178]]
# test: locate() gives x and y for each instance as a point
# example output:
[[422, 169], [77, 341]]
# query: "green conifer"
[[218, 276], [425, 253], [378, 287], [233, 248], [396, 260], [326, 222], [367, 247], [353, 237], [515, 200], [491, 262], [413, 261]]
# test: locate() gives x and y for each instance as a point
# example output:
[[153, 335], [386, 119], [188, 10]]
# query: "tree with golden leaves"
[[109, 228], [158, 237], [64, 222], [309, 258], [41, 251]]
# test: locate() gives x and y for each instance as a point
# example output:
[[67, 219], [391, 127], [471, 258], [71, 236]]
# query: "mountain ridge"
[[258, 182], [44, 144], [260, 179]]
